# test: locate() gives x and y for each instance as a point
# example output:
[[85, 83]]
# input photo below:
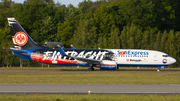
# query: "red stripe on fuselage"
[[39, 58]]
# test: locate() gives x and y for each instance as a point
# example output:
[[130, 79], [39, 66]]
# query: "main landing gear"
[[91, 68]]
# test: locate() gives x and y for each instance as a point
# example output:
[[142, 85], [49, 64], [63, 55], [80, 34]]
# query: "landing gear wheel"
[[92, 69], [89, 69]]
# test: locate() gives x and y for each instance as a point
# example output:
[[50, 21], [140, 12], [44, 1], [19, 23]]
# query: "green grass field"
[[89, 77], [64, 97], [72, 75]]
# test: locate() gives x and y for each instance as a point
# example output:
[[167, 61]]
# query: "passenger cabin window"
[[165, 55]]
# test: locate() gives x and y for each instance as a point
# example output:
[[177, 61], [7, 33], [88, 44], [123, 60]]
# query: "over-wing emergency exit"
[[107, 59]]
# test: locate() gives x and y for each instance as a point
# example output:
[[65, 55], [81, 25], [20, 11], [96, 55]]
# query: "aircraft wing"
[[86, 60]]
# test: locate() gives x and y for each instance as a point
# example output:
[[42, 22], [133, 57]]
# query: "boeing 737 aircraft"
[[105, 59]]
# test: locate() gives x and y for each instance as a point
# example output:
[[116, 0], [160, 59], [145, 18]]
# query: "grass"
[[87, 77], [95, 97], [71, 75]]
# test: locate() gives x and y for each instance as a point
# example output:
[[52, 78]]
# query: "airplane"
[[105, 59]]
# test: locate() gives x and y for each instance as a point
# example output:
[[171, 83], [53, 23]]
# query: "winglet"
[[72, 47], [61, 50]]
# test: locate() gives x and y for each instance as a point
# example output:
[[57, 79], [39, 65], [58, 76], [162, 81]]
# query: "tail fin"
[[20, 37]]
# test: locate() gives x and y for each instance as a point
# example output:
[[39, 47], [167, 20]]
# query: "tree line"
[[113, 24]]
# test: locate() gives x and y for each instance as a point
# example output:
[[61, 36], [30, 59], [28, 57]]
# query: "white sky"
[[66, 2]]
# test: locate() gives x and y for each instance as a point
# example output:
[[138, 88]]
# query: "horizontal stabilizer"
[[15, 50]]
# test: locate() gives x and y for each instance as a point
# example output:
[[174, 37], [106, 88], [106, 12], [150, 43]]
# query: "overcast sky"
[[66, 2]]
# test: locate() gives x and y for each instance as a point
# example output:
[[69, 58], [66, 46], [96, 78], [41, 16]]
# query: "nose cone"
[[172, 60]]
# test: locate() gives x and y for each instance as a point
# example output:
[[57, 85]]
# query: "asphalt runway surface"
[[85, 88]]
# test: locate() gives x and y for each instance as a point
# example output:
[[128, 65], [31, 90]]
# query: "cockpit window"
[[165, 55]]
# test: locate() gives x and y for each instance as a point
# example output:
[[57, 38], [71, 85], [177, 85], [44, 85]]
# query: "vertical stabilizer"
[[20, 37]]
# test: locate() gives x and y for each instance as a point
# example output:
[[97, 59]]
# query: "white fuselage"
[[136, 57]]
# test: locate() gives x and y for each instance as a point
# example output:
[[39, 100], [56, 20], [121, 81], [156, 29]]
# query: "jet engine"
[[108, 65]]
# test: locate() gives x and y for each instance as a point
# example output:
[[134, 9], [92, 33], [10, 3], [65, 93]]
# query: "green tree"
[[48, 30], [102, 21], [114, 40], [102, 43], [5, 11], [177, 47], [157, 41], [123, 38], [145, 40], [84, 35], [164, 37], [152, 38], [172, 51], [60, 13], [31, 15], [6, 42], [128, 37], [65, 32]]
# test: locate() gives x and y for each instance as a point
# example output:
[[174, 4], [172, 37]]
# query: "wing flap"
[[87, 60]]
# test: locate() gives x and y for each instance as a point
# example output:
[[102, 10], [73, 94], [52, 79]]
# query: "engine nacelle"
[[107, 65]]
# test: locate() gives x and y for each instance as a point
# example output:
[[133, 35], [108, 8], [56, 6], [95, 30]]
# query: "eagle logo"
[[20, 38]]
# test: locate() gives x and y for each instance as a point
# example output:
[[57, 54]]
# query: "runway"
[[85, 88]]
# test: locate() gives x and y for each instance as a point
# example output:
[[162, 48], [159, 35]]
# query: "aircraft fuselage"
[[123, 57]]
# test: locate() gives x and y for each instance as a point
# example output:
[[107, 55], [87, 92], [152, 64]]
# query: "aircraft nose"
[[172, 60]]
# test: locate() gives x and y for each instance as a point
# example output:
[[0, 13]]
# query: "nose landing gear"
[[159, 67]]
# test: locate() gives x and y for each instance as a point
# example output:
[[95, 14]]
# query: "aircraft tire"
[[89, 69], [92, 69]]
